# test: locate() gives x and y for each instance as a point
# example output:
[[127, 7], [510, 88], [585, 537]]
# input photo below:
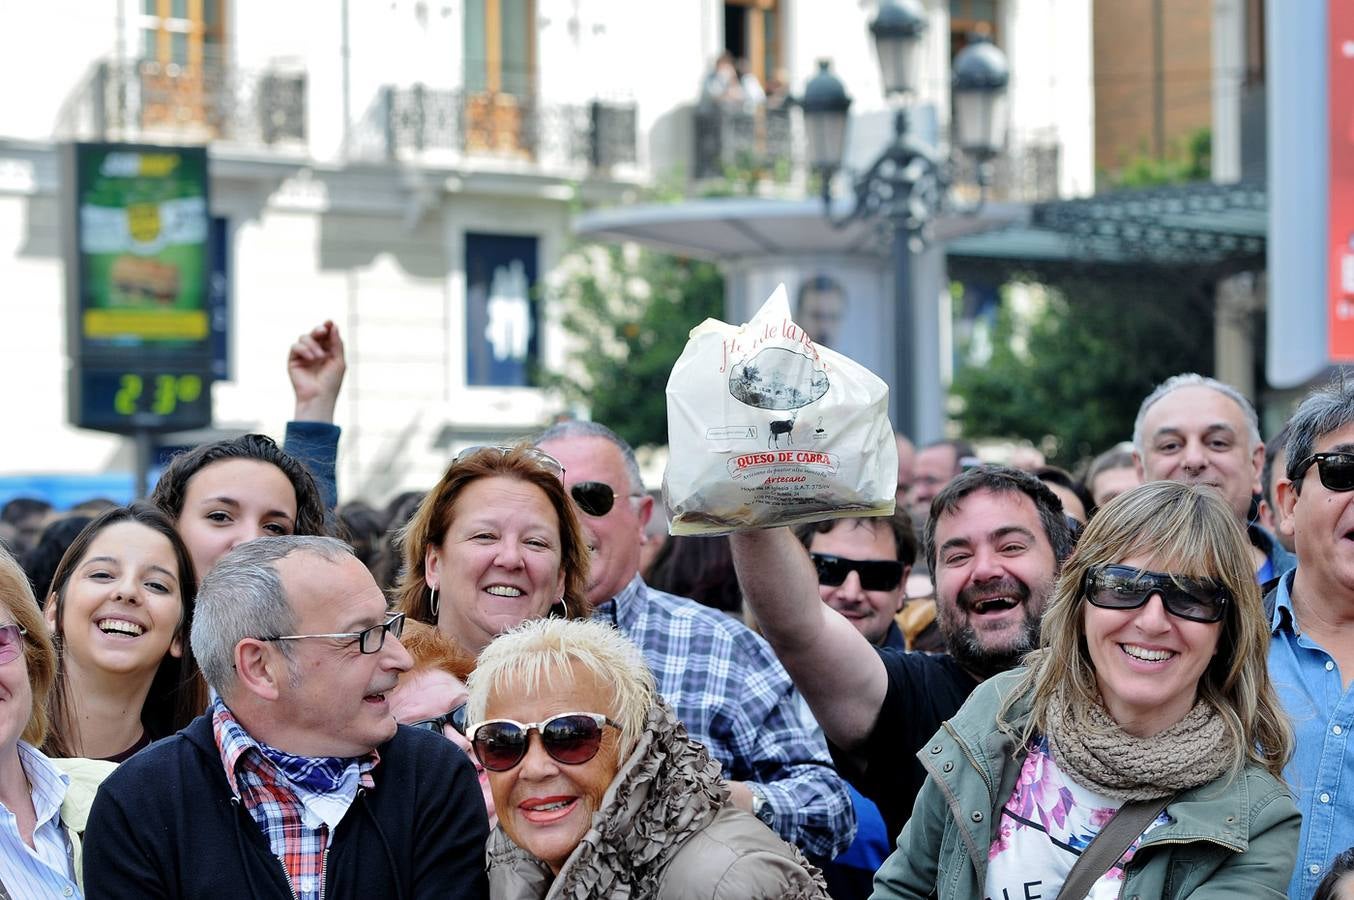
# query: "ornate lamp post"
[[907, 185]]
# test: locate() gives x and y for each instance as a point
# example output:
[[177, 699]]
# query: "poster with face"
[[843, 303]]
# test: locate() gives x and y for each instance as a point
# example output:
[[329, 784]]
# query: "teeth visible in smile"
[[994, 604], [502, 590], [547, 807], [1146, 655], [120, 626]]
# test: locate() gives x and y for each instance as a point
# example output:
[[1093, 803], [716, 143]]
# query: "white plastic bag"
[[767, 428]]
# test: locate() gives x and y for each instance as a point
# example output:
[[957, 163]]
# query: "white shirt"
[[43, 870]]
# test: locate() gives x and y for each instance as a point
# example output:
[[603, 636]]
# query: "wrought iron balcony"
[[149, 100], [1025, 173], [422, 122], [734, 139]]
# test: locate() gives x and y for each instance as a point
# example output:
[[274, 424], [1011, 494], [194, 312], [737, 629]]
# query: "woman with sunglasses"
[[119, 612], [1140, 752], [599, 790], [495, 543], [45, 802], [221, 494], [432, 695]]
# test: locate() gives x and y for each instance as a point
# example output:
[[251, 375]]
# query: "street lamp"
[[907, 185]]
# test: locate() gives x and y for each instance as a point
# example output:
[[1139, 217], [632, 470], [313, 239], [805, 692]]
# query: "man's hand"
[[316, 366]]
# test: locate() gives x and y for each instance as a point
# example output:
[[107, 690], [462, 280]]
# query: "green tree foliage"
[[629, 312], [1071, 378], [1192, 162]]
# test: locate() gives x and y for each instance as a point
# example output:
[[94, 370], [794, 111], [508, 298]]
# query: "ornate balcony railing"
[[1027, 173], [149, 100], [758, 140], [419, 120]]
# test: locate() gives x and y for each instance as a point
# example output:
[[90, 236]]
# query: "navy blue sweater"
[[165, 824]]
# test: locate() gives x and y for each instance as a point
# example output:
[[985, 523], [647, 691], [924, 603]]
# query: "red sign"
[[1340, 238]]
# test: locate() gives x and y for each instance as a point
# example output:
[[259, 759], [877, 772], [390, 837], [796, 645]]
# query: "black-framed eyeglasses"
[[596, 498], [455, 717], [1125, 587], [570, 738], [11, 641], [369, 640], [875, 574], [540, 457], [1336, 470]]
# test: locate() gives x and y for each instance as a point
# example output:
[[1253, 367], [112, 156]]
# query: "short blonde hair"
[[533, 657], [1189, 531], [39, 656]]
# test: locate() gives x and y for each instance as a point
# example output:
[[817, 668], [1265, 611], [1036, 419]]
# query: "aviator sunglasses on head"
[[1124, 587], [875, 574], [569, 738], [1336, 470], [540, 457]]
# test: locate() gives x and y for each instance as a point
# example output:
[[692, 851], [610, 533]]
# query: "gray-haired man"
[[1199, 430], [297, 782]]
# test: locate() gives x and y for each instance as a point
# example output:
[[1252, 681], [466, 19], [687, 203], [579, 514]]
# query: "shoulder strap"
[[1105, 849]]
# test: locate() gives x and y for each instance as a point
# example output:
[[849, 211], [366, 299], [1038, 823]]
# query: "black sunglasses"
[[595, 497], [875, 574], [1124, 587], [569, 738], [1336, 470], [455, 717]]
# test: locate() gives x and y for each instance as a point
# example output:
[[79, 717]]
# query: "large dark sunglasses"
[[595, 497], [1336, 470], [569, 738], [1124, 587], [875, 574], [455, 717]]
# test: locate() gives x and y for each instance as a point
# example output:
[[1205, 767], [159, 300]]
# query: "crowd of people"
[[1023, 683]]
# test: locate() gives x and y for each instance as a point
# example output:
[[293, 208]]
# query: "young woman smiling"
[[222, 494], [1147, 718], [120, 611]]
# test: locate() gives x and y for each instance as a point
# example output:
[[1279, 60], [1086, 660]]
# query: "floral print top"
[[1045, 825]]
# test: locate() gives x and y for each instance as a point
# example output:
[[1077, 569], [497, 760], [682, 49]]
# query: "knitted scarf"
[[1096, 753]]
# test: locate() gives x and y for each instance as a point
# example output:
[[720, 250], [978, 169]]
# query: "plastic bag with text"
[[767, 428]]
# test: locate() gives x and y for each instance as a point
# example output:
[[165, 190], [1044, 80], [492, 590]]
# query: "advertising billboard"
[[139, 268]]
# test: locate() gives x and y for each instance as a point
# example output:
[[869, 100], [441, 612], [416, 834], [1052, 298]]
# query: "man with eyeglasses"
[[722, 680], [296, 783], [1311, 648], [995, 542], [1198, 430]]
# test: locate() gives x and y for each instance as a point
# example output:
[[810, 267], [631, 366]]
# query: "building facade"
[[410, 168]]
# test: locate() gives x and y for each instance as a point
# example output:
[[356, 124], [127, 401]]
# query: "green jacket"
[[1228, 839]]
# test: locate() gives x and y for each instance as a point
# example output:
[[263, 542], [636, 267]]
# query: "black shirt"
[[924, 690]]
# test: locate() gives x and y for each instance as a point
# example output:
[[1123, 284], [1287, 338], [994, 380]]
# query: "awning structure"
[[737, 228], [1200, 225]]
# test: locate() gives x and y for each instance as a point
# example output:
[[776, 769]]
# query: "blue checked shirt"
[[1321, 772], [43, 870], [726, 685]]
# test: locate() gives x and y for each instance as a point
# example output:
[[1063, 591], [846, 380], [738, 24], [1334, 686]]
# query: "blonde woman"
[[1148, 716], [599, 791], [45, 803]]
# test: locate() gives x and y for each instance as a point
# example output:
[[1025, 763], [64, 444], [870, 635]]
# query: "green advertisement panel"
[[138, 259], [142, 231]]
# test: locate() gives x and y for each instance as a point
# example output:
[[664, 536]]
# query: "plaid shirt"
[[286, 814], [725, 684]]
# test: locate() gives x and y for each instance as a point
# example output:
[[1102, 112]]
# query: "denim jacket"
[[1230, 838]]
